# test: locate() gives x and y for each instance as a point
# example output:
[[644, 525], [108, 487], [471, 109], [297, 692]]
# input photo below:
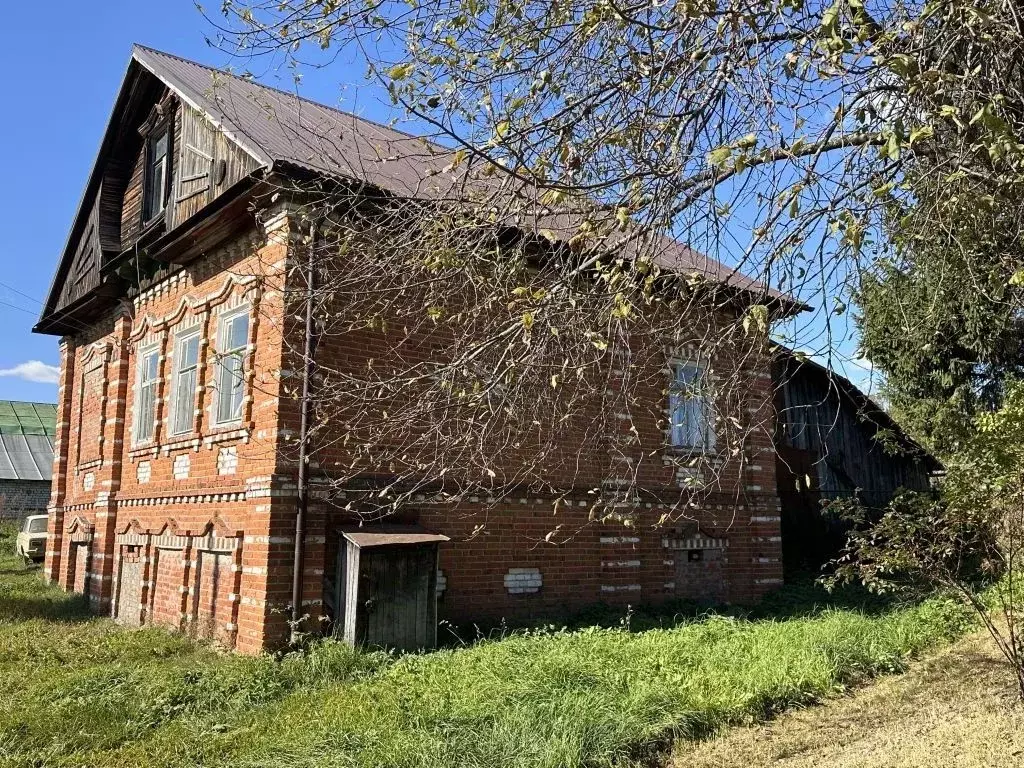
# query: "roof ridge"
[[254, 81]]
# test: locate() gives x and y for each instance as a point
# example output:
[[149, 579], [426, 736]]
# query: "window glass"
[[155, 193], [186, 366], [145, 396], [689, 408], [233, 338], [38, 525]]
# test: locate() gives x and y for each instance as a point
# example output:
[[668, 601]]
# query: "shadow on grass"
[[57, 608], [23, 596], [801, 597]]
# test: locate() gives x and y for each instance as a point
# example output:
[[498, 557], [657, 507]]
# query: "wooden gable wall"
[[204, 164], [84, 273]]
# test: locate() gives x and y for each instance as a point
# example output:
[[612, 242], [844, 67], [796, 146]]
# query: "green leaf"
[[400, 71], [756, 319], [719, 157]]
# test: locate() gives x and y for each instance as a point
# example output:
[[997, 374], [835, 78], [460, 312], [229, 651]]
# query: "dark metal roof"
[[277, 127], [27, 433]]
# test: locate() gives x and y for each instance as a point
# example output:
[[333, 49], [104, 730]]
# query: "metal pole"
[[302, 491]]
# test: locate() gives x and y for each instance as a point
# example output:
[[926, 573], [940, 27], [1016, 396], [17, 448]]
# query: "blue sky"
[[61, 80]]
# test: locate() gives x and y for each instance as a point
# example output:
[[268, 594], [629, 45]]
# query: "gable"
[[110, 247]]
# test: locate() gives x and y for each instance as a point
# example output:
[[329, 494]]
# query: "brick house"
[[26, 457], [172, 501]]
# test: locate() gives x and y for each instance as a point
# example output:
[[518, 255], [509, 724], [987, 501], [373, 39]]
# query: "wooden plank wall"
[[84, 272], [131, 205], [816, 419], [208, 164]]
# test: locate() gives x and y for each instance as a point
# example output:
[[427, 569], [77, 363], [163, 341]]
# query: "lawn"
[[78, 691], [955, 709]]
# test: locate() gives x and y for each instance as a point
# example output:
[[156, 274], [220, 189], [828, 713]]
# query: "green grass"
[[78, 691]]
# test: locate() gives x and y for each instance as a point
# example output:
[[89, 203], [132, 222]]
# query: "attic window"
[[157, 172]]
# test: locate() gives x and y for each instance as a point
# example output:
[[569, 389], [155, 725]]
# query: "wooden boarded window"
[[197, 164]]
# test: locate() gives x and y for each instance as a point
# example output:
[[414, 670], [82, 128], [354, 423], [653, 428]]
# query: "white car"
[[31, 542]]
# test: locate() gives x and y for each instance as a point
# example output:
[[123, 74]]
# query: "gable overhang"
[[871, 412]]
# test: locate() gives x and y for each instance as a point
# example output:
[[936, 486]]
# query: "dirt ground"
[[955, 709]]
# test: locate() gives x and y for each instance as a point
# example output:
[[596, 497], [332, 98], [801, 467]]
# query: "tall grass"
[[81, 692]]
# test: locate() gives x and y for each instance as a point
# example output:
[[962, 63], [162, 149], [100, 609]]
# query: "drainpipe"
[[302, 489]]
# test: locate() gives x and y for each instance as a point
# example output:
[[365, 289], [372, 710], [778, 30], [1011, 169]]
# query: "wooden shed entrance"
[[386, 587]]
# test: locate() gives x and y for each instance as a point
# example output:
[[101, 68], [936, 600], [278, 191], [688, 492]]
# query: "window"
[[157, 171], [689, 408], [145, 394], [35, 525], [232, 341], [183, 395]]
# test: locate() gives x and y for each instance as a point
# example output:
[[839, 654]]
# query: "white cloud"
[[33, 370]]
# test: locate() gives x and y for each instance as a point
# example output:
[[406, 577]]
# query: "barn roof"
[[870, 412], [27, 432]]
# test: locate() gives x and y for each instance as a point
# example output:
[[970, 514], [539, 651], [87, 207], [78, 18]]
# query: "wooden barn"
[[833, 441]]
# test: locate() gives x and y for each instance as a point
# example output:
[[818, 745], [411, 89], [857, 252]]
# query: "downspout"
[[302, 486]]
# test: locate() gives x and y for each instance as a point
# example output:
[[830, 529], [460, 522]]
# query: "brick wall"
[[19, 498], [170, 530], [195, 531]]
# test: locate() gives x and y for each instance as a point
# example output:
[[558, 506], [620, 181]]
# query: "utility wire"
[[20, 293]]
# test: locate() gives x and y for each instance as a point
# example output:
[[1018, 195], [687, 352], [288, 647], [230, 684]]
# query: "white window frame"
[[137, 423], [180, 339], [681, 399], [220, 371]]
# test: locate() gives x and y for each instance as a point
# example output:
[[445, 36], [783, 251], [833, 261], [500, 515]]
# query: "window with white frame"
[[183, 392], [690, 407], [145, 394], [232, 344]]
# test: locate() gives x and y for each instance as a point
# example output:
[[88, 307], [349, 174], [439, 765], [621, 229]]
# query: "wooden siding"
[[208, 163], [131, 205], [817, 417], [84, 272]]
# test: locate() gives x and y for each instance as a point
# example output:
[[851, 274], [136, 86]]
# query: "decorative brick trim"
[[700, 541], [523, 581], [620, 587]]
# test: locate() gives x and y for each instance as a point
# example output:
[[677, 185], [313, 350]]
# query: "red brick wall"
[[230, 518], [214, 515]]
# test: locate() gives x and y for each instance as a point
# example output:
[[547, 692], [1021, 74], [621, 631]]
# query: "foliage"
[[941, 316], [964, 540], [79, 690], [806, 143]]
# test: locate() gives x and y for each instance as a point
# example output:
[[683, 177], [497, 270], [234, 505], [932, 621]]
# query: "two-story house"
[[174, 499]]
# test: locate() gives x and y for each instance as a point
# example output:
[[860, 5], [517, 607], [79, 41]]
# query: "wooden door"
[[397, 605]]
